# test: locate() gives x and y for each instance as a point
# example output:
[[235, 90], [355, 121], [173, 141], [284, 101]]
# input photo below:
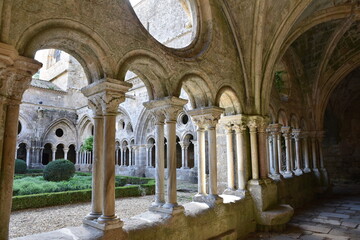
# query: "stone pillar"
[[313, 148], [276, 141], [252, 124], [241, 146], [207, 118], [296, 133], [286, 134], [263, 123], [66, 150], [184, 154], [121, 156], [279, 149], [105, 96], [15, 75], [117, 155], [230, 157], [305, 148], [130, 155], [28, 156], [160, 160], [168, 107], [53, 149], [196, 154]]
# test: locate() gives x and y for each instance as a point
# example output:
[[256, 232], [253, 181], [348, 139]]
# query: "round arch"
[[229, 100]]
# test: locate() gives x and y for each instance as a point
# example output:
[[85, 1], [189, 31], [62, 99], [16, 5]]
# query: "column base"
[[168, 208], [211, 199], [104, 225], [288, 174], [239, 193], [307, 170], [298, 172], [92, 216], [276, 176]]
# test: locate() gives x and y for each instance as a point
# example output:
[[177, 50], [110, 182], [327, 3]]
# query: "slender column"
[[147, 156], [184, 154], [286, 135], [275, 135], [270, 151], [28, 156], [291, 153], [106, 95], [151, 154], [201, 160], [240, 130], [230, 157], [320, 137], [296, 133], [122, 156], [196, 154], [97, 171], [16, 150], [305, 148], [159, 161], [53, 153], [15, 75], [254, 149], [211, 128], [117, 155], [66, 150], [313, 147], [262, 147], [279, 148]]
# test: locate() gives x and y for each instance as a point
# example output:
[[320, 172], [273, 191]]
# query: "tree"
[[88, 144]]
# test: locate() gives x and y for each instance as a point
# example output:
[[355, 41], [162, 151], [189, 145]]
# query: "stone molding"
[[104, 96]]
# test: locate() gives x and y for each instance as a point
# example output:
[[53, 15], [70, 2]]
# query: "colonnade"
[[290, 151]]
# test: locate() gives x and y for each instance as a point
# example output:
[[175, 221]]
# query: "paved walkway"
[[336, 217]]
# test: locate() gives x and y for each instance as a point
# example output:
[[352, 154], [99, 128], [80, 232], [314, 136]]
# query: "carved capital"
[[184, 144], [106, 95], [167, 108], [286, 131], [240, 128], [206, 117], [296, 133]]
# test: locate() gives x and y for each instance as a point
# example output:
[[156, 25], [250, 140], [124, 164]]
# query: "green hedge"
[[61, 198]]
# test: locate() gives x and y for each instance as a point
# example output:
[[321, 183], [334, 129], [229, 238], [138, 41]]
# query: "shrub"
[[59, 170], [34, 171], [20, 166]]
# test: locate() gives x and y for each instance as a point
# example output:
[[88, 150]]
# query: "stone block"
[[334, 215]]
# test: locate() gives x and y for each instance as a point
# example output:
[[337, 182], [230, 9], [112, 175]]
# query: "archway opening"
[[47, 154], [59, 154], [21, 152], [71, 156]]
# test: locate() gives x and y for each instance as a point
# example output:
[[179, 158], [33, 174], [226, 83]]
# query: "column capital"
[[275, 128], [206, 117], [184, 144], [15, 72], [166, 108], [296, 133], [104, 96], [286, 131], [240, 127]]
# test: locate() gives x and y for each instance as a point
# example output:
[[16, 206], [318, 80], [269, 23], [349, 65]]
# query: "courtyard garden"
[[59, 184]]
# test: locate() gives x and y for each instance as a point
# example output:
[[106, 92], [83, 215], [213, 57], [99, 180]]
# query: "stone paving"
[[335, 217]]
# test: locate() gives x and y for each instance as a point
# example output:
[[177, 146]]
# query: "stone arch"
[[149, 68], [47, 155], [272, 114], [329, 85], [294, 121], [282, 118], [198, 87], [85, 127], [229, 100], [72, 37], [60, 151], [69, 128], [21, 151], [303, 124], [144, 126]]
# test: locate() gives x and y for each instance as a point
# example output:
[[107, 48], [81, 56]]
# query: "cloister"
[[269, 89]]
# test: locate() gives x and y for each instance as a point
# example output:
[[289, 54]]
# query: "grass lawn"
[[27, 185]]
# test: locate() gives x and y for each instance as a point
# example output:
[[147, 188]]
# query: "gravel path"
[[32, 221]]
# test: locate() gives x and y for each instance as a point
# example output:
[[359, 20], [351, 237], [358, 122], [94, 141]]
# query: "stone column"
[[296, 133], [230, 157], [147, 156], [121, 156], [240, 130], [15, 75], [270, 152], [117, 155], [279, 148], [201, 160], [160, 160], [305, 148], [169, 108], [53, 149], [98, 148], [184, 154], [263, 123], [252, 124], [130, 155], [66, 150], [28, 156], [276, 138], [211, 128], [286, 134], [313, 147], [320, 137], [196, 154], [105, 96]]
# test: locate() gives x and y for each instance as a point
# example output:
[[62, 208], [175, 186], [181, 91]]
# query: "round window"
[[59, 132], [185, 119]]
